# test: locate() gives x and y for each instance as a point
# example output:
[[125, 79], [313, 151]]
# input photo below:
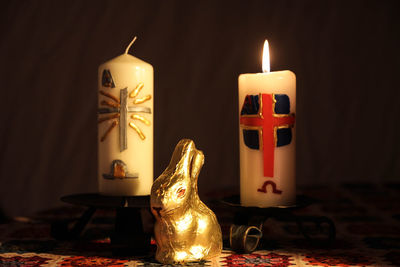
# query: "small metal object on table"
[[128, 237], [246, 230]]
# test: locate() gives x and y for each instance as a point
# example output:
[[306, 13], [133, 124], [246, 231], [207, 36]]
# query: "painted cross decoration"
[[266, 122], [118, 110]]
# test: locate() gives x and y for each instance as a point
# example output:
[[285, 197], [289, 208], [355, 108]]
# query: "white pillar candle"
[[125, 126], [267, 104]]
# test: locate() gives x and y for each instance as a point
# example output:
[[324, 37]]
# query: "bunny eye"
[[180, 192]]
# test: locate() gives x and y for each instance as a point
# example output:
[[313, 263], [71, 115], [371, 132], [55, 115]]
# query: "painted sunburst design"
[[115, 112]]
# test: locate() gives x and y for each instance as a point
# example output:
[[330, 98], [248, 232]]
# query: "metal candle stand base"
[[246, 230], [128, 237]]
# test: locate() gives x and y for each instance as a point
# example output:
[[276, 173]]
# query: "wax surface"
[[251, 160], [127, 71]]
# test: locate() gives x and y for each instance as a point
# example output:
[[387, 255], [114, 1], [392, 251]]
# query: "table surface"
[[367, 218]]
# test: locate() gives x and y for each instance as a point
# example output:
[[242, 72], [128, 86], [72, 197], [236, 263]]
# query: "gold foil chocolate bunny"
[[185, 229]]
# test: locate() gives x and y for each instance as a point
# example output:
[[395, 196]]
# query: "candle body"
[[125, 127], [267, 171]]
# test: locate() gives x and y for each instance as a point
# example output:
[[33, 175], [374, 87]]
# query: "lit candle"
[[267, 104], [125, 126]]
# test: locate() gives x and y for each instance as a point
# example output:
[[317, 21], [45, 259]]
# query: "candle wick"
[[129, 46]]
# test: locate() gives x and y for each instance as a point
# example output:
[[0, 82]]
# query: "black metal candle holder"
[[246, 230], [128, 237]]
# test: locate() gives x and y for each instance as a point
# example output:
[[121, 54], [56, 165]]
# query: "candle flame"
[[265, 61]]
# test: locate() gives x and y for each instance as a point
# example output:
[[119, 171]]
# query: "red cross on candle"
[[267, 122]]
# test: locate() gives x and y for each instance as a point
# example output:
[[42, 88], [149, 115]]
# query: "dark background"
[[345, 55]]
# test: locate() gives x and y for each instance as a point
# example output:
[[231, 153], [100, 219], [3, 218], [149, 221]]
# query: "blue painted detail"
[[251, 139], [107, 79], [282, 105], [284, 136], [251, 105]]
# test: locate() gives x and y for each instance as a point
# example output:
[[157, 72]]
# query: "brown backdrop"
[[345, 55]]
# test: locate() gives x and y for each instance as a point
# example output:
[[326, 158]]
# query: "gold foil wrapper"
[[185, 229]]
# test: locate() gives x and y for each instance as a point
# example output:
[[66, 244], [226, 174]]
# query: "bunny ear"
[[197, 163], [182, 157]]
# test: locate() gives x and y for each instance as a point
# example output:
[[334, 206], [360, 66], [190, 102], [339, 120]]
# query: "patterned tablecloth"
[[367, 219]]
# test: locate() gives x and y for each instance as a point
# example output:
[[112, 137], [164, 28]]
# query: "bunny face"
[[185, 229], [170, 196]]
